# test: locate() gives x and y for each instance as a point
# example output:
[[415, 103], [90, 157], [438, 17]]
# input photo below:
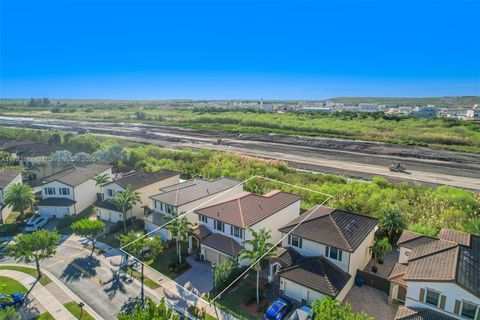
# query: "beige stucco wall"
[[7, 210]]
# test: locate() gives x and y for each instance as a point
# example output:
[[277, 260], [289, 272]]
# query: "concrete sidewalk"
[[41, 294]]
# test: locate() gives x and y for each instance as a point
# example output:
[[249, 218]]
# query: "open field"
[[437, 133]]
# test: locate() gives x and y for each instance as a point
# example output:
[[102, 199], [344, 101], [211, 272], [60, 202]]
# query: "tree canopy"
[[152, 311], [330, 309], [89, 229]]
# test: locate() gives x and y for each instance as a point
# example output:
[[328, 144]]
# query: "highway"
[[463, 172]]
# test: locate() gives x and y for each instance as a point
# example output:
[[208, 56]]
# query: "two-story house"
[[184, 197], [439, 278], [223, 227], [322, 253], [8, 177], [145, 183], [70, 191]]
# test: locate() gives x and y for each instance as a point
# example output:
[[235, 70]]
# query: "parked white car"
[[36, 223]]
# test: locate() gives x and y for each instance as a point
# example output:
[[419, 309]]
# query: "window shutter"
[[300, 242], [442, 301], [327, 251], [456, 309], [289, 239], [421, 298], [339, 255]]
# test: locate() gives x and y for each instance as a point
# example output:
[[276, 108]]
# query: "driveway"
[[371, 301], [198, 277]]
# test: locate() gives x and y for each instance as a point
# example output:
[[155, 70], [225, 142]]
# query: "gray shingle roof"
[[193, 190], [138, 180], [410, 240], [223, 244], [319, 274], [248, 209], [332, 227], [7, 175], [56, 202], [29, 148], [77, 175], [287, 257]]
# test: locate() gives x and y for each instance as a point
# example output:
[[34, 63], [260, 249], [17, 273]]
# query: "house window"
[[432, 298], [110, 192], [64, 191], [236, 232], [219, 225], [295, 241], [333, 253], [469, 310], [49, 190], [202, 218], [162, 207]]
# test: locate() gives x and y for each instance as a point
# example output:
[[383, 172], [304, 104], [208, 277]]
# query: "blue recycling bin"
[[359, 281]]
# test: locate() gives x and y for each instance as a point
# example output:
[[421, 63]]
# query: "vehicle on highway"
[[7, 300], [397, 167], [278, 310], [302, 313], [36, 223]]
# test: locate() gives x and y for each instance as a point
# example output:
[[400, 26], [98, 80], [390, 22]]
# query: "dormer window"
[[295, 241], [333, 253], [49, 190], [64, 191]]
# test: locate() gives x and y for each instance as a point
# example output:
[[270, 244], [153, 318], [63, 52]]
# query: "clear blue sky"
[[227, 49]]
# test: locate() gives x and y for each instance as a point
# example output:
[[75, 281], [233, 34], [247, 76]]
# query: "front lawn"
[[77, 311], [241, 299], [10, 286], [44, 280], [112, 238], [167, 258], [45, 316]]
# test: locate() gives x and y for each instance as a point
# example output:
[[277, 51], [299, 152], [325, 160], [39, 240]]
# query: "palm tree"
[[180, 229], [260, 249], [378, 249], [101, 179], [392, 222], [33, 167], [385, 248], [19, 196], [125, 201]]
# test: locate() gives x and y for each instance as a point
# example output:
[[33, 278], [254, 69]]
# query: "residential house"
[[224, 226], [184, 197], [145, 183], [8, 177], [70, 191], [439, 276], [322, 253]]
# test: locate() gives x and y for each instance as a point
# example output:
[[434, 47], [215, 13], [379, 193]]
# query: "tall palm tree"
[[376, 250], [125, 201], [32, 167], [19, 196], [180, 229], [260, 249]]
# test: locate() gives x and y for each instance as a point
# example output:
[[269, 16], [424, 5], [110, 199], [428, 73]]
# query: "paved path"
[[41, 294]]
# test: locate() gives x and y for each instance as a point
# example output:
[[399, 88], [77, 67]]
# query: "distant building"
[[473, 113], [428, 111], [317, 109]]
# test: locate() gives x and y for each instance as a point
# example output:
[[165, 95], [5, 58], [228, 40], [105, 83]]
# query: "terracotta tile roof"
[[404, 313], [397, 274], [248, 209], [77, 175], [455, 236], [192, 190], [201, 231], [332, 227], [430, 248], [287, 257], [223, 244], [445, 260], [319, 274], [410, 239], [139, 179]]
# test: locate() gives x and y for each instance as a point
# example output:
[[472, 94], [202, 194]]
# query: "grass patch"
[[10, 286], [167, 257], [45, 316], [147, 281], [77, 311], [44, 280]]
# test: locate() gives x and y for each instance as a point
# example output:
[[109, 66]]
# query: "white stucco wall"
[[58, 212], [7, 209], [361, 256], [450, 290], [298, 292], [109, 215], [404, 254]]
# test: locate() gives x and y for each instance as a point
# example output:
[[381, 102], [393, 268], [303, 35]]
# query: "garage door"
[[295, 291], [58, 212], [211, 256]]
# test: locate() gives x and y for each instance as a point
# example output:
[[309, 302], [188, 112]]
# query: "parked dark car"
[[7, 300], [278, 310]]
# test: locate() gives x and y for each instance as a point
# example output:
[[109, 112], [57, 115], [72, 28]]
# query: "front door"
[[402, 293]]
